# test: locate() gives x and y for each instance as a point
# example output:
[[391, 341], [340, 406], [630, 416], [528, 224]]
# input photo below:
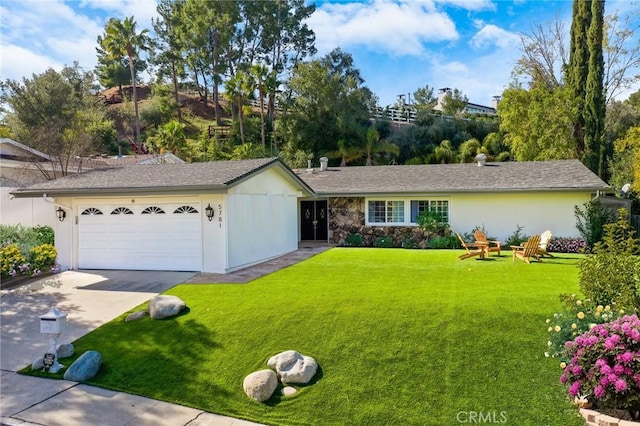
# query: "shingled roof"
[[561, 175], [211, 176]]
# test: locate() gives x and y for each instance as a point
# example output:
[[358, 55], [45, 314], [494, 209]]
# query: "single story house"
[[222, 216], [499, 197]]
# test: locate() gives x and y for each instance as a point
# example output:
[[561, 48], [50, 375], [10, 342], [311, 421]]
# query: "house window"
[[185, 210], [394, 211], [121, 210], [153, 210], [91, 211], [420, 206], [386, 211]]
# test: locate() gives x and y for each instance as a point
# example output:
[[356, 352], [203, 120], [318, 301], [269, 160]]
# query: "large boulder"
[[84, 367], [293, 367], [164, 306], [65, 350], [260, 385]]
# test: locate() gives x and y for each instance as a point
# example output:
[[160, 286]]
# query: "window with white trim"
[[394, 211], [420, 206]]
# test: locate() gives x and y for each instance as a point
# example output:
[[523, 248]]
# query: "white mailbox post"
[[53, 323]]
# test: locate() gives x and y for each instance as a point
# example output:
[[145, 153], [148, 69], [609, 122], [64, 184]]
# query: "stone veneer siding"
[[347, 216]]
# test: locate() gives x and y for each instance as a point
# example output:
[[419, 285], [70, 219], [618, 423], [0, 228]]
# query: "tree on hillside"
[[535, 123], [58, 114], [169, 138], [121, 39], [328, 103], [375, 147], [454, 102], [168, 53]]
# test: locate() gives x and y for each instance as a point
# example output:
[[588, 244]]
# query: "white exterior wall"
[[262, 220], [25, 211], [214, 235], [501, 213]]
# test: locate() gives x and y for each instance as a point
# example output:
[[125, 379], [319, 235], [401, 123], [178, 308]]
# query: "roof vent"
[[481, 159], [324, 164]]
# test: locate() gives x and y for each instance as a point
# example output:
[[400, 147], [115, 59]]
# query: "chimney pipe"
[[324, 162], [481, 159]]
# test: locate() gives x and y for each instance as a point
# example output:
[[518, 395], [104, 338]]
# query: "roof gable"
[[11, 148], [217, 175]]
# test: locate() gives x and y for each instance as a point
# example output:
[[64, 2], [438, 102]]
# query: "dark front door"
[[313, 220]]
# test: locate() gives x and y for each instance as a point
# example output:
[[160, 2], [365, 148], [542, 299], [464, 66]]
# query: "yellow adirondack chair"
[[528, 250], [491, 245], [473, 249]]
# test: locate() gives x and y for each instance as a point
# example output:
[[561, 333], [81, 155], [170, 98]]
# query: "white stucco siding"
[[262, 219], [501, 213]]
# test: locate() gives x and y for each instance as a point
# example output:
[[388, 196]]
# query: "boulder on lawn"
[[136, 316], [38, 363], [293, 367], [65, 350], [164, 306], [84, 367], [260, 385]]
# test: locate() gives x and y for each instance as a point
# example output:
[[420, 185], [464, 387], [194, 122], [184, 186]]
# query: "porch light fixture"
[[209, 211], [61, 214]]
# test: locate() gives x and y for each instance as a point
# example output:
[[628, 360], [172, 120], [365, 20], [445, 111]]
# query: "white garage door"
[[143, 237]]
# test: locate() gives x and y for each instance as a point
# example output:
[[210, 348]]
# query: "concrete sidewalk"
[[92, 298]]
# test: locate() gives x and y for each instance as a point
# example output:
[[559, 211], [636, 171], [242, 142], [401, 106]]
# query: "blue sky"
[[398, 45]]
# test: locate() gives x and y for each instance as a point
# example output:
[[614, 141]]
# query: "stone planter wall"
[[347, 216], [594, 418]]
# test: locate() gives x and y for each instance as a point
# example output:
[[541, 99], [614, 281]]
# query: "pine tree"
[[578, 69], [594, 106]]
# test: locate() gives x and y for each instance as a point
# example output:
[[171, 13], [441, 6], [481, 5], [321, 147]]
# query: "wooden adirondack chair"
[[528, 250], [473, 249], [491, 245], [545, 237]]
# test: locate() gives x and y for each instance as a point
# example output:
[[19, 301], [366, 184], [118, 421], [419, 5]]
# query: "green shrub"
[[611, 273], [11, 259], [432, 221], [45, 234], [42, 258], [384, 242], [591, 220], [447, 242], [26, 237], [409, 242], [354, 240], [516, 238], [576, 318]]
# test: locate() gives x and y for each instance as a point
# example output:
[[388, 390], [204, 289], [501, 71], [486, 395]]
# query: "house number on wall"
[[220, 215]]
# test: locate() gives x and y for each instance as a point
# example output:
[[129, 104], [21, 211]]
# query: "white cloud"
[[34, 40], [472, 5], [491, 35], [382, 26], [18, 62]]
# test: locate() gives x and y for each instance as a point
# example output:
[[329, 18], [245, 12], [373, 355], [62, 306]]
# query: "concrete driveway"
[[90, 298]]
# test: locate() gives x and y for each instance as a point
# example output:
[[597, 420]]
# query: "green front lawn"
[[402, 337]]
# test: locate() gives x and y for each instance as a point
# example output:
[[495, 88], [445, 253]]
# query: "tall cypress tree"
[[594, 106], [578, 69]]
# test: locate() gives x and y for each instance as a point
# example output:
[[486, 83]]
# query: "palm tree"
[[444, 152], [121, 39], [170, 138], [237, 88], [376, 147], [260, 74]]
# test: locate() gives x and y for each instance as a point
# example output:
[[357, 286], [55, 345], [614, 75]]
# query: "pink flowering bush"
[[604, 365], [566, 245]]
